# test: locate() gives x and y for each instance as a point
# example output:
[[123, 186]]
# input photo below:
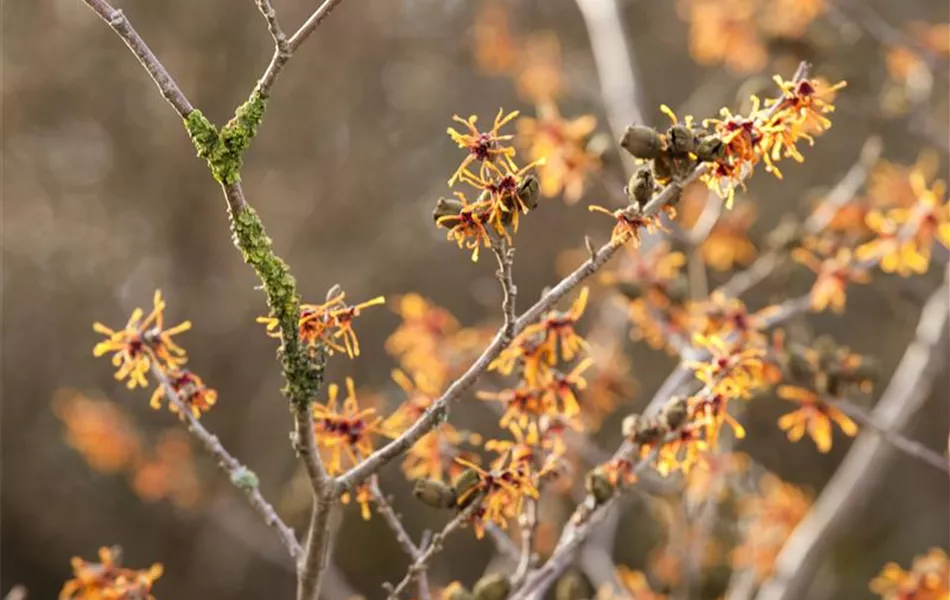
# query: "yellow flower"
[[108, 580], [731, 369], [768, 518], [326, 323], [191, 391], [141, 343], [562, 145], [345, 432], [834, 274], [927, 579], [630, 223], [483, 147], [557, 330], [813, 415], [467, 226]]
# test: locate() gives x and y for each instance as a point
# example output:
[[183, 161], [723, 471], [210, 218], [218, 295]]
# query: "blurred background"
[[103, 201]]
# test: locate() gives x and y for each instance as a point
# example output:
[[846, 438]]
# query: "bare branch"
[[240, 476], [392, 519], [529, 523], [506, 256], [906, 445], [273, 25], [614, 60], [434, 547], [865, 465], [117, 20], [282, 55]]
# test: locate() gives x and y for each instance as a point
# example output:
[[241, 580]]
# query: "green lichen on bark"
[[302, 374], [224, 150]]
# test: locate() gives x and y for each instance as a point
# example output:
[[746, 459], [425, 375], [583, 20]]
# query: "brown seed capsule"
[[494, 586], [462, 487], [647, 432], [674, 413], [629, 289], [642, 142], [434, 493], [460, 593], [446, 207], [630, 425], [681, 139], [598, 486], [663, 169], [572, 586], [641, 187], [710, 149], [530, 191]]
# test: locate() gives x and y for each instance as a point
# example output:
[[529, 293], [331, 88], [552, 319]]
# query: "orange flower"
[[521, 404], [494, 47], [891, 185], [730, 370], [108, 580], [630, 223], [347, 432], [768, 518], [326, 323], [191, 391], [483, 147], [562, 146], [467, 227], [711, 410], [170, 473], [499, 493], [99, 430], [433, 456], [635, 585], [834, 274], [557, 330], [927, 579], [509, 192], [813, 415], [539, 73], [142, 342], [724, 31], [562, 399], [528, 353], [788, 19], [895, 255]]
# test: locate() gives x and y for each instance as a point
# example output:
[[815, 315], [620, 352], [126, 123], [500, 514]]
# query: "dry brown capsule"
[[629, 289], [572, 586], [598, 486], [641, 187], [434, 493], [710, 149], [681, 139], [648, 432], [462, 486], [674, 413], [446, 207], [642, 142], [530, 191], [630, 425], [494, 586]]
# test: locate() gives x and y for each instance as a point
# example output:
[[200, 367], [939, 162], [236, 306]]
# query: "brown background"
[[103, 201]]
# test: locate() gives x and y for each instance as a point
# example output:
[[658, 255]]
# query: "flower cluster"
[[504, 189], [328, 325], [927, 579], [346, 433], [736, 32], [108, 579], [767, 519], [146, 344]]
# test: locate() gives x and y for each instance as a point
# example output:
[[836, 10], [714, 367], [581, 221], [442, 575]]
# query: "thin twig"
[[384, 508], [282, 55], [123, 28], [614, 60], [506, 256], [906, 445], [240, 475], [434, 547], [273, 25], [529, 524], [865, 464]]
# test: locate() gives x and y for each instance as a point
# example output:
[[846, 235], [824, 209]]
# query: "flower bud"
[[681, 139], [494, 586], [434, 493], [674, 413], [630, 425], [572, 586], [462, 486], [710, 149], [641, 186], [642, 142], [598, 486], [529, 191], [446, 207]]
